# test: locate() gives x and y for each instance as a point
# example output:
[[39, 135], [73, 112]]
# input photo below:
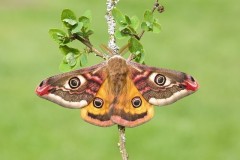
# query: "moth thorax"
[[117, 71]]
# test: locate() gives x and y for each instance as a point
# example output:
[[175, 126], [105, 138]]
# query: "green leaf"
[[77, 29], [126, 32], [83, 60], [119, 17], [120, 35], [147, 26], [64, 67], [144, 26], [69, 22], [85, 22], [70, 59], [134, 22], [150, 23], [135, 46], [59, 36], [156, 27], [128, 20], [68, 14], [148, 16], [89, 32], [65, 50], [69, 19], [140, 58]]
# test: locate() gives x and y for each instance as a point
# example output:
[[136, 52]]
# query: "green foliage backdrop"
[[200, 37]]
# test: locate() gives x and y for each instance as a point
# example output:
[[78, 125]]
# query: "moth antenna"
[[124, 49], [131, 57], [108, 50]]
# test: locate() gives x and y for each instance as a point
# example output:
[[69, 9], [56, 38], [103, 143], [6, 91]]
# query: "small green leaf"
[[147, 26], [132, 30], [135, 46], [70, 59], [126, 31], [83, 60], [150, 23], [119, 17], [156, 28], [77, 29], [128, 20], [134, 22], [59, 36], [64, 67], [144, 26], [68, 14], [148, 16], [70, 22], [120, 35], [89, 32], [69, 19], [65, 50], [85, 22], [140, 58]]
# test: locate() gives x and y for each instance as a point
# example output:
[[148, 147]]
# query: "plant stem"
[[155, 6], [111, 25], [160, 10], [87, 43], [121, 144]]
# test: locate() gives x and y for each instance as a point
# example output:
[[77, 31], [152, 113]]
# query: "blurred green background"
[[199, 37]]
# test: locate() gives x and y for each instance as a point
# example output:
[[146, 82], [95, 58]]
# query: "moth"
[[117, 91]]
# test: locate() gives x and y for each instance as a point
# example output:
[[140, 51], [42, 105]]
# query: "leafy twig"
[[87, 43], [148, 25], [159, 8]]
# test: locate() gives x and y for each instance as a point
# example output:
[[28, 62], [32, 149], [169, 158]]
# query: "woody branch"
[[111, 25]]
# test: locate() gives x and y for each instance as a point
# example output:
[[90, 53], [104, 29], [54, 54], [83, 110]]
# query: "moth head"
[[42, 88], [190, 83]]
